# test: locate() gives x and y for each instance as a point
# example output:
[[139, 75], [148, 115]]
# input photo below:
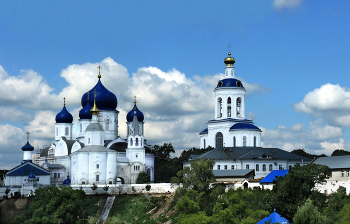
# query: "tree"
[[52, 204], [7, 191], [148, 187], [162, 153], [340, 152], [309, 214], [292, 190], [198, 176], [142, 178], [301, 152]]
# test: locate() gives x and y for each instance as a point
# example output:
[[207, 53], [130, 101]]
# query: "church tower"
[[27, 151], [63, 126], [230, 128], [94, 133]]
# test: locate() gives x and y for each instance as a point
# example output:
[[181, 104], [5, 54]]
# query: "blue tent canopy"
[[274, 218]]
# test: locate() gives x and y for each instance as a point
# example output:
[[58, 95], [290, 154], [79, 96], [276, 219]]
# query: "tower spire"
[[64, 101], [27, 136], [94, 110], [99, 71]]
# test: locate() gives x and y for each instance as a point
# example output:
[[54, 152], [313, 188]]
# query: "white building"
[[235, 139], [99, 155]]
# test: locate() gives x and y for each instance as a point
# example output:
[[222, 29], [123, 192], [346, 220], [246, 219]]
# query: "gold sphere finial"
[[64, 101]]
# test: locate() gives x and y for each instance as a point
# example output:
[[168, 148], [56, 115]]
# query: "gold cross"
[[88, 95], [27, 135], [229, 47], [135, 100], [64, 101], [95, 93], [99, 71]]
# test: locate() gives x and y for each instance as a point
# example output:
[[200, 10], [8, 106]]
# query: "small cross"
[[99, 71], [88, 95], [229, 47], [64, 101], [27, 135], [95, 93], [135, 100]]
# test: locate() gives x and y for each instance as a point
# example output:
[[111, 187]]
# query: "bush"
[[148, 187], [142, 178]]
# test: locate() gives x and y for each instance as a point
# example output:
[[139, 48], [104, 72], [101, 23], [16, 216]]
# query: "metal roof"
[[26, 168], [272, 176], [251, 153], [334, 162], [274, 218], [94, 148], [232, 173]]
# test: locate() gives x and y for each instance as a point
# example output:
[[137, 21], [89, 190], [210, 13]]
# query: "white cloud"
[[330, 102], [13, 114], [279, 4], [43, 125]]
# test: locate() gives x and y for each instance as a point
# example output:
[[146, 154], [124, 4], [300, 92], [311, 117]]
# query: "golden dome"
[[94, 110], [229, 61]]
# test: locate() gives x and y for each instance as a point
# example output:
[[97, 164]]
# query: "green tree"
[[292, 190], [142, 178], [340, 152], [309, 214], [344, 215], [162, 153], [198, 176], [301, 152], [52, 204]]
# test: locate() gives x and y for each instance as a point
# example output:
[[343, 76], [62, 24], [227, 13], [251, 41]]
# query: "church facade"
[[98, 155], [235, 139]]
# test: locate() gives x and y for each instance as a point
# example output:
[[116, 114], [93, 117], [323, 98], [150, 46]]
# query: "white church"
[[98, 155], [236, 140]]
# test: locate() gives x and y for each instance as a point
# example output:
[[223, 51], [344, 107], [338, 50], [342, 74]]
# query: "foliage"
[[187, 206], [198, 176], [94, 187], [131, 209], [162, 153], [193, 151], [309, 214], [301, 152], [336, 202], [340, 152], [105, 188], [344, 215], [52, 204], [292, 190], [7, 191], [148, 187], [142, 178]]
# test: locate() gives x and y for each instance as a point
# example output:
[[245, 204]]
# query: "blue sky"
[[291, 54]]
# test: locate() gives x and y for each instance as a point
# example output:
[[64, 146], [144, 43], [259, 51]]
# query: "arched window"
[[81, 127], [264, 167], [67, 131], [107, 124], [229, 107], [257, 167], [131, 142], [244, 141], [204, 144], [56, 131], [219, 107], [239, 101], [137, 142], [219, 140], [88, 140], [270, 167], [234, 141], [254, 141]]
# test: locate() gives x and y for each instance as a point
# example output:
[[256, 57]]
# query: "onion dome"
[[139, 114], [105, 99], [245, 126], [27, 147], [85, 113], [230, 82], [229, 61], [64, 116]]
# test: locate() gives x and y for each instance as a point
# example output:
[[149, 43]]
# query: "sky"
[[292, 56]]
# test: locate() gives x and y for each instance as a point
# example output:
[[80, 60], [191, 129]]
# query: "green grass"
[[131, 209]]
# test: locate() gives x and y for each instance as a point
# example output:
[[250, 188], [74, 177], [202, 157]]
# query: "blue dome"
[[139, 114], [246, 126], [27, 147], [85, 113], [31, 176], [105, 99], [67, 181], [229, 83], [64, 116]]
